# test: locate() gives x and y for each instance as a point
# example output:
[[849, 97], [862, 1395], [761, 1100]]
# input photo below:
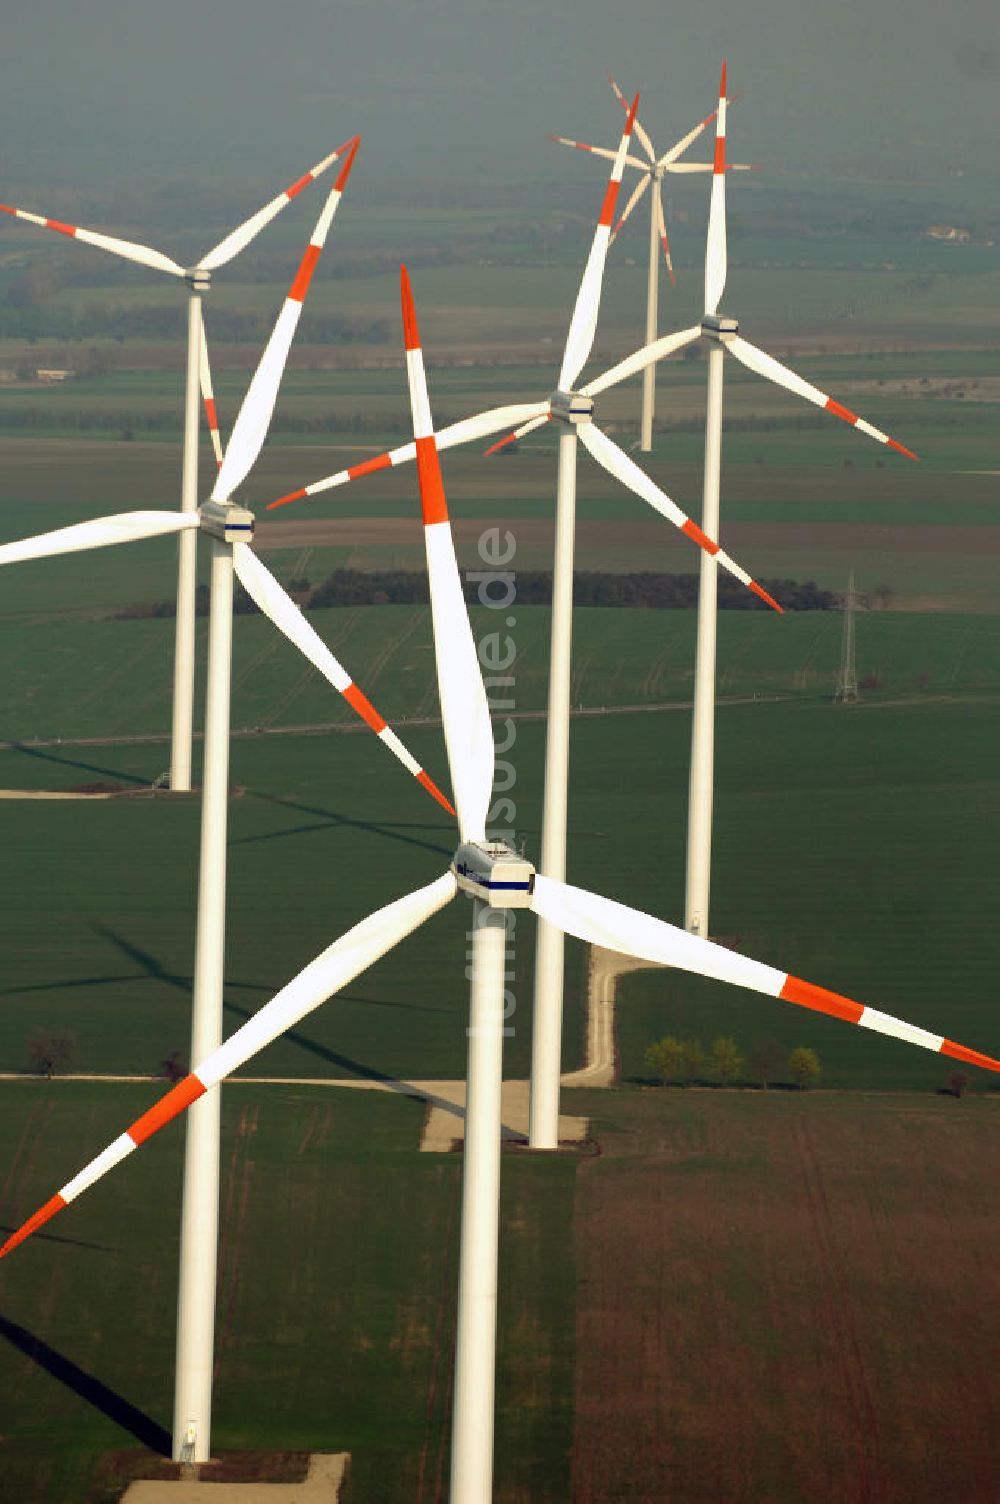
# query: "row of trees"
[[408, 587], [654, 590], [31, 310], [686, 1061]]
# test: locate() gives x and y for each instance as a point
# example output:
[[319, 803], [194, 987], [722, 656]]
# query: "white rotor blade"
[[520, 432], [244, 233], [682, 145], [708, 167], [360, 948], [715, 248], [464, 708], [485, 424], [766, 365], [661, 225], [633, 364], [129, 250], [264, 590], [634, 198], [101, 532], [678, 150], [640, 130], [583, 324], [250, 428], [599, 151], [618, 464], [207, 393], [466, 429], [599, 921]]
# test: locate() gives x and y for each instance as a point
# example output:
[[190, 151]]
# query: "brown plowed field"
[[789, 1298], [393, 532]]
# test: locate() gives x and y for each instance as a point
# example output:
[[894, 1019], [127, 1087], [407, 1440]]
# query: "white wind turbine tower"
[[230, 527], [724, 335], [198, 279], [573, 410], [497, 879], [653, 172]]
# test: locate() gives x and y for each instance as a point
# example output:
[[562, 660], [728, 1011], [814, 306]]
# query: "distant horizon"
[[468, 89]]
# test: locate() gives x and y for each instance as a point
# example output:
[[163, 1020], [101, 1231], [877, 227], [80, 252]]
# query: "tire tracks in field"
[[807, 671], [250, 668], [238, 1182], [867, 1481], [375, 668], [23, 1158], [442, 1365], [101, 683], [963, 648], [301, 683]]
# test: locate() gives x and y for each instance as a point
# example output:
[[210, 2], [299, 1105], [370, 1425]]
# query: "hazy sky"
[[471, 86]]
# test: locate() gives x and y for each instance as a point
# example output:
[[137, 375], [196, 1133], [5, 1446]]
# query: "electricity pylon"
[[847, 680]]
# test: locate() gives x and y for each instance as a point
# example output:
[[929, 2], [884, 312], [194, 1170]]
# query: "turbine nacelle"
[[197, 279], [571, 407], [715, 327], [495, 874], [230, 524]]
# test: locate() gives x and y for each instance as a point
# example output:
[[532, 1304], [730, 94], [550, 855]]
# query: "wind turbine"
[[652, 172], [231, 528], [573, 410], [723, 333], [198, 279], [497, 879]]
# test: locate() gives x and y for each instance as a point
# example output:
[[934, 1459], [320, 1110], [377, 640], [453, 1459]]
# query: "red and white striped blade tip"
[[518, 433], [836, 1005], [161, 1113], [283, 501], [694, 532], [433, 789], [433, 502], [294, 189], [383, 461], [411, 331], [348, 163]]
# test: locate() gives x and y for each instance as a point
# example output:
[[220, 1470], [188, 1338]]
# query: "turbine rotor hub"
[[572, 408], [716, 327], [494, 873], [228, 523], [198, 280]]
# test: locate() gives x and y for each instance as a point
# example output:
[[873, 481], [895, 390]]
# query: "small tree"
[[173, 1067], [725, 1060], [665, 1056], [958, 1083], [692, 1059], [48, 1049], [804, 1067], [765, 1058]]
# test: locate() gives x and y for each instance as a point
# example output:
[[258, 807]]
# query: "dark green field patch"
[[335, 1335]]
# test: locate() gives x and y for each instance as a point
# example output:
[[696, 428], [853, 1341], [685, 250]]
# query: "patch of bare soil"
[[245, 1478], [787, 1299], [601, 535]]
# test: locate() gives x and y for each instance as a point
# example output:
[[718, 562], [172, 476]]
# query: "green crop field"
[[340, 1330], [853, 847], [109, 678]]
